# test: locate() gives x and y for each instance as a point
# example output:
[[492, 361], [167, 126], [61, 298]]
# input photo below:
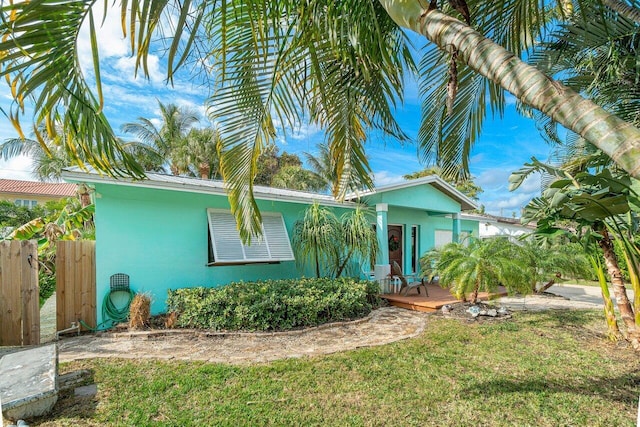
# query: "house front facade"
[[168, 232], [32, 193]]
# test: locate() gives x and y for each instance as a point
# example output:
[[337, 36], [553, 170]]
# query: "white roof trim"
[[430, 179], [196, 185]]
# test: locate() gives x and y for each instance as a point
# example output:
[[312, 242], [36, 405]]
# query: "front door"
[[395, 244]]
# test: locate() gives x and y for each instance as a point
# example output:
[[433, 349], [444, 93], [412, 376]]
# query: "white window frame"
[[273, 246], [26, 203]]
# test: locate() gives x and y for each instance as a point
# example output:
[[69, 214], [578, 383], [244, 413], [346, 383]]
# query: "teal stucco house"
[[169, 232]]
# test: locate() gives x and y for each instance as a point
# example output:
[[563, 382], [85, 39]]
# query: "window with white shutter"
[[227, 247]]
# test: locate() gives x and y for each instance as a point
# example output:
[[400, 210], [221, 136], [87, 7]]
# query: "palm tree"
[[161, 145], [332, 243], [48, 155], [593, 205], [315, 236], [481, 265], [201, 152], [342, 63]]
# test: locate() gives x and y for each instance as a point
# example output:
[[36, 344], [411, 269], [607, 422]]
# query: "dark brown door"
[[395, 244]]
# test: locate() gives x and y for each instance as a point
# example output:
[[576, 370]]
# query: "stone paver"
[[383, 326]]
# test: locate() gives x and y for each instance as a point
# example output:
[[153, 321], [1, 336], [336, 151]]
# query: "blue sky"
[[505, 145]]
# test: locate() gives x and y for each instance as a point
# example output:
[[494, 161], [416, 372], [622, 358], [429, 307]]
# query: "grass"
[[543, 369]]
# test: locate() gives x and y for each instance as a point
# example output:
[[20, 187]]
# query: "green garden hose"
[[112, 315]]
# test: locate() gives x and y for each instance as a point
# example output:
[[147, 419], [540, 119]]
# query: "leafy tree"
[[340, 66], [594, 205], [285, 171], [465, 185], [315, 236], [161, 145], [14, 216], [48, 154], [65, 219], [556, 260], [331, 243], [481, 265], [298, 178]]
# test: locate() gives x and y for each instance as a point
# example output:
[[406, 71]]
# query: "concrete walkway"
[[569, 296]]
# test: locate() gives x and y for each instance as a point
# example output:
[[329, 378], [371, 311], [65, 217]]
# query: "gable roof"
[[198, 185], [36, 188], [434, 180]]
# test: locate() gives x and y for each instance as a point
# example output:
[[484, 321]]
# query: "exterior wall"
[[12, 197], [159, 238], [427, 226], [423, 197]]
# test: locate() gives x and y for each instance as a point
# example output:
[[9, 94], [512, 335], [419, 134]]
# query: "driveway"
[[568, 296]]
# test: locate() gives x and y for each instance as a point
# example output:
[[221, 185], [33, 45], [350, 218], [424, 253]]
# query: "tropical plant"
[[201, 153], [343, 63], [331, 243], [481, 265], [298, 178], [594, 204], [49, 155], [557, 260], [65, 219], [161, 145], [315, 236]]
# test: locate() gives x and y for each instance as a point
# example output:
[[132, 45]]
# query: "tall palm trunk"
[[629, 12], [609, 312], [618, 139], [474, 294], [624, 306], [204, 170]]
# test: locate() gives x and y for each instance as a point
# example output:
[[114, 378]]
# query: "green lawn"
[[545, 369]]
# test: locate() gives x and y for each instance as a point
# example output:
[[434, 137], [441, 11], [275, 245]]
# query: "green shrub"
[[273, 305], [47, 283]]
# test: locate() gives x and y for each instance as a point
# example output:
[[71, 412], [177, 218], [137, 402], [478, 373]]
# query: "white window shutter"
[[273, 245], [276, 235], [224, 236]]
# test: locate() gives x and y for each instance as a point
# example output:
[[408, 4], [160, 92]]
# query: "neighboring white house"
[[492, 226]]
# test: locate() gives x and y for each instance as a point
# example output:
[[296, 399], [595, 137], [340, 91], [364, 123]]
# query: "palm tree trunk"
[[474, 294], [635, 283], [618, 139], [611, 262], [629, 12], [204, 169], [609, 312]]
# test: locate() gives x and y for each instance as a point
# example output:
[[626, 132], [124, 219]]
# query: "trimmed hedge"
[[273, 305]]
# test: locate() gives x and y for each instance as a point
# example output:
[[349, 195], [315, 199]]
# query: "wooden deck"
[[436, 299]]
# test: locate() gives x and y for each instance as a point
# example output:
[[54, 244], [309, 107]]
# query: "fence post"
[[75, 283], [19, 296]]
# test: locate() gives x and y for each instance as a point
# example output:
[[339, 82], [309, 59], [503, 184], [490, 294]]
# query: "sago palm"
[[481, 266]]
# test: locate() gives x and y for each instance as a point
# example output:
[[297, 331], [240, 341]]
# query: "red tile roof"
[[37, 188]]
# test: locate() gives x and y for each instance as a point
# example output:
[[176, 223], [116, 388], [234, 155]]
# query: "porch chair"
[[410, 281]]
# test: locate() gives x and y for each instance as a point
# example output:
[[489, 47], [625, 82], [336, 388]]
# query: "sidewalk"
[[569, 296]]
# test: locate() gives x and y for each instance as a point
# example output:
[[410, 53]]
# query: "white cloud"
[[382, 178], [126, 67], [19, 167]]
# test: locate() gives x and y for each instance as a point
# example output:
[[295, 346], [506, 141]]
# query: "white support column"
[[456, 228], [382, 268]]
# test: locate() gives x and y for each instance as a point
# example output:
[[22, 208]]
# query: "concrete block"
[[28, 382]]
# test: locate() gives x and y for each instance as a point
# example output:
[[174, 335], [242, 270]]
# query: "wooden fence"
[[75, 283], [19, 295]]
